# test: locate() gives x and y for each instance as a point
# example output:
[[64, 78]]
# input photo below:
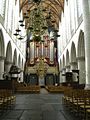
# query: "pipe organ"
[[41, 49], [41, 58]]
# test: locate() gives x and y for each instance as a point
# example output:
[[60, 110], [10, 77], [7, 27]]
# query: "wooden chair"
[[85, 108]]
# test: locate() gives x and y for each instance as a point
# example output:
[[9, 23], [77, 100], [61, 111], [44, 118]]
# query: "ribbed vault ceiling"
[[54, 7]]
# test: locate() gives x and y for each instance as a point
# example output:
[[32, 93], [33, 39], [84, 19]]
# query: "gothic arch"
[[2, 45], [73, 53], [63, 61], [67, 58], [22, 64], [19, 61], [60, 64], [15, 57], [9, 52], [81, 45]]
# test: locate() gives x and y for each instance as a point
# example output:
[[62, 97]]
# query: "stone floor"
[[43, 106]]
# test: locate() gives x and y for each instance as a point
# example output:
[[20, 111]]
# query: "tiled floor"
[[43, 106]]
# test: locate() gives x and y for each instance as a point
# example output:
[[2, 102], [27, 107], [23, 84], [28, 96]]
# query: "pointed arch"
[[81, 45], [73, 53], [19, 61], [22, 64], [67, 57], [9, 52], [63, 61], [60, 64], [2, 45], [15, 57]]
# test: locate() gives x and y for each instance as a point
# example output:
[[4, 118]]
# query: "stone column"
[[7, 66], [73, 66], [60, 81], [21, 75], [63, 75], [1, 67], [86, 19], [81, 68]]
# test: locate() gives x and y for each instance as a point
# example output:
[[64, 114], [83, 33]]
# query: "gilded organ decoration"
[[40, 69]]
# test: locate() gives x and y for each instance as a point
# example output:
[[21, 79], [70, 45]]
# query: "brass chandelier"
[[37, 23]]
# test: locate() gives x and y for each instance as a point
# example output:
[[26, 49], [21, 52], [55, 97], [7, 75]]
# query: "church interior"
[[45, 59]]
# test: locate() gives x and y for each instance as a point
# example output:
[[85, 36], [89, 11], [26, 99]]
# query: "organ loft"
[[41, 62]]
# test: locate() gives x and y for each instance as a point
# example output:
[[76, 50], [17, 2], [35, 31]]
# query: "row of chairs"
[[28, 89], [24, 88], [7, 100], [54, 89], [78, 101]]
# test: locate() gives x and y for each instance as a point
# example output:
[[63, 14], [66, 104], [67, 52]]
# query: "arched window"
[[10, 14], [79, 11], [72, 13], [2, 7]]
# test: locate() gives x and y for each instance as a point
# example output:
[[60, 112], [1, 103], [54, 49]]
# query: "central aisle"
[[43, 91], [43, 106]]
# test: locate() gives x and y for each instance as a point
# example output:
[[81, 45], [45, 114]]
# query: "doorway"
[[41, 81]]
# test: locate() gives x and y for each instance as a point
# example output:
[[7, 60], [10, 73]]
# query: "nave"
[[43, 106], [44, 43]]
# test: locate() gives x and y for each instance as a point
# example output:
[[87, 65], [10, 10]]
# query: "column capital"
[[2, 58], [63, 69], [8, 62], [73, 63], [60, 70], [80, 58], [67, 66]]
